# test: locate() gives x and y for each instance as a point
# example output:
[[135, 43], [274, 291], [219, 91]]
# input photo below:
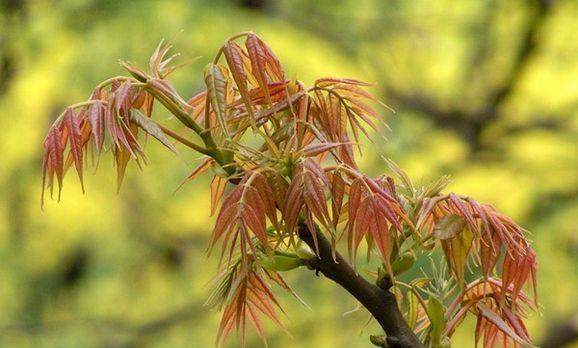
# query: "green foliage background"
[[130, 269]]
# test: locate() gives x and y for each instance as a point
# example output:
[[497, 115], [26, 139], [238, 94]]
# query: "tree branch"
[[381, 303]]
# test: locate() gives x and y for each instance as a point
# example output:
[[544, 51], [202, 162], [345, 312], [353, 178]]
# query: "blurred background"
[[485, 90]]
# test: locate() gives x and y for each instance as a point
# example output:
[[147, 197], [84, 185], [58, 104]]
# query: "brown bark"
[[381, 303]]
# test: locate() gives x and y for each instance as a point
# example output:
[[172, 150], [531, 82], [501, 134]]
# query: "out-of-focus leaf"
[[403, 263], [456, 250], [436, 315], [413, 304], [121, 157], [202, 168], [449, 226], [96, 120], [53, 161], [500, 323], [319, 148], [72, 124], [218, 185]]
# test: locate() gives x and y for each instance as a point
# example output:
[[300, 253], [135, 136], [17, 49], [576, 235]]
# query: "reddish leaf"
[[72, 124], [96, 119], [258, 64], [244, 210], [499, 323], [337, 194], [312, 150], [331, 81], [53, 162]]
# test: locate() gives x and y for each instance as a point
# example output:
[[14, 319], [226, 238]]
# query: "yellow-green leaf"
[[216, 82], [449, 226], [436, 315], [152, 129]]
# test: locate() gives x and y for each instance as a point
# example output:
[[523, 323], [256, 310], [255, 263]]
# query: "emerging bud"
[[402, 263], [378, 340], [304, 252], [281, 263]]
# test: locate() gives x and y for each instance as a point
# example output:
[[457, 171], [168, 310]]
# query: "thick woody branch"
[[378, 300]]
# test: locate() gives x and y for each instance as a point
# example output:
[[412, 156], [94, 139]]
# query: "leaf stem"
[[185, 141], [116, 78]]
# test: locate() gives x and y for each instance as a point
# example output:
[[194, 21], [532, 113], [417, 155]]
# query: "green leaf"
[[412, 309], [153, 129], [280, 263], [436, 314], [304, 252], [216, 81], [402, 263]]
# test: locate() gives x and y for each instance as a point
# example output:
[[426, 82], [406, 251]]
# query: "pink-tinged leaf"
[[314, 181], [464, 211], [121, 157], [258, 64], [218, 185], [234, 56], [203, 167], [315, 200], [279, 186], [328, 81], [370, 214], [267, 195], [245, 210], [72, 124], [235, 60], [293, 203], [53, 162], [517, 324], [96, 120], [122, 100], [354, 205], [499, 323], [319, 148], [246, 296], [274, 68], [337, 194], [490, 251]]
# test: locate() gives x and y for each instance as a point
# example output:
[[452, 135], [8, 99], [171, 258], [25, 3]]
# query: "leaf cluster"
[[282, 155]]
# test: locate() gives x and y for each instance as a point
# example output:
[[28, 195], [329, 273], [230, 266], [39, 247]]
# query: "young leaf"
[[436, 314], [96, 120], [456, 250], [72, 124], [216, 81], [449, 226], [53, 162], [500, 324], [152, 128]]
